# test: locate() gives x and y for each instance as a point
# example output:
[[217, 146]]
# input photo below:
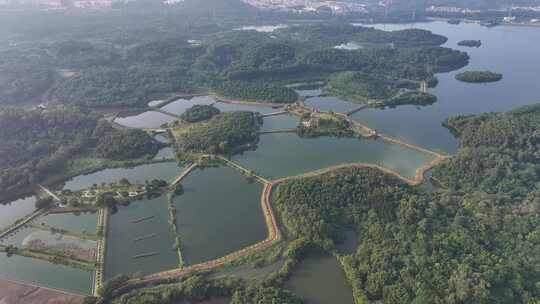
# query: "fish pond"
[[140, 239], [218, 213]]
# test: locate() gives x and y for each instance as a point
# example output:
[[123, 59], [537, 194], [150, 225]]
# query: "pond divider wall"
[[103, 220]]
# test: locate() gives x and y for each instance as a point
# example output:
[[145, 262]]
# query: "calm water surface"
[[329, 103], [45, 273], [287, 154], [164, 153], [129, 224], [218, 213], [512, 51], [320, 280], [285, 121], [77, 222], [230, 107], [15, 210], [148, 119], [138, 174], [181, 105]]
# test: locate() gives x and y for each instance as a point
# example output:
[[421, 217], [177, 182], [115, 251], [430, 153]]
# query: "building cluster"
[[465, 11], [57, 4], [451, 9], [309, 6]]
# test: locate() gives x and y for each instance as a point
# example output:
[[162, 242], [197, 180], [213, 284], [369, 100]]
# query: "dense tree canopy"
[[223, 133], [417, 247], [479, 76], [199, 113], [498, 152], [36, 144]]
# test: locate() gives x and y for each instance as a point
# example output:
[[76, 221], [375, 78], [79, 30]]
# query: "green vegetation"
[[223, 133], [23, 84], [256, 91], [198, 288], [417, 247], [103, 86], [199, 113], [126, 144], [498, 153], [37, 144], [324, 125], [479, 76], [411, 98], [470, 43], [360, 87], [128, 69]]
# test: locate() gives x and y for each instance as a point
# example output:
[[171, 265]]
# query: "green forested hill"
[[37, 144]]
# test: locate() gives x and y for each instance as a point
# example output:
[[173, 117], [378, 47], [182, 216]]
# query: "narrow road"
[[50, 193]]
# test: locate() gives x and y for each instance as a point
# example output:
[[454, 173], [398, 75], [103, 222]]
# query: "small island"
[[479, 76], [470, 43]]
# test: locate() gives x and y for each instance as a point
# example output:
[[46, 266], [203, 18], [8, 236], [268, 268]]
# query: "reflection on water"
[[138, 174], [507, 50], [286, 154], [218, 213], [181, 105], [139, 229], [11, 212], [330, 103], [45, 273], [148, 119], [320, 280]]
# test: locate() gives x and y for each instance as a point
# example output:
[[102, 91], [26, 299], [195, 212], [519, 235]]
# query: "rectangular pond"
[[287, 154], [85, 222], [219, 213], [45, 273], [139, 174], [141, 228]]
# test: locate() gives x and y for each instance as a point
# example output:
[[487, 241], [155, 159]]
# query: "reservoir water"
[[220, 212], [148, 119], [510, 50], [11, 212], [284, 121], [181, 105], [286, 154]]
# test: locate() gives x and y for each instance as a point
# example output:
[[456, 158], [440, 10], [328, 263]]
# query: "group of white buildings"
[[307, 6]]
